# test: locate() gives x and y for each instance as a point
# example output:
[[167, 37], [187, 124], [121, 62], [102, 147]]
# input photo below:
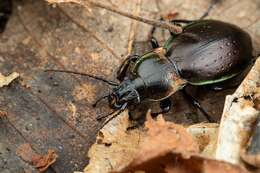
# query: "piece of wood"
[[238, 117]]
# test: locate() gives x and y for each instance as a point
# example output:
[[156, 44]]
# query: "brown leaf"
[[115, 147], [168, 148], [163, 137], [41, 162], [172, 162], [3, 113]]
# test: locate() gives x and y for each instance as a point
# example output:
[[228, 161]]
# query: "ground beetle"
[[206, 52]]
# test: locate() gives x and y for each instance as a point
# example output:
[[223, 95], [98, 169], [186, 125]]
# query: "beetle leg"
[[165, 106], [151, 37], [197, 105], [121, 72], [154, 43], [221, 88], [179, 21], [211, 5]]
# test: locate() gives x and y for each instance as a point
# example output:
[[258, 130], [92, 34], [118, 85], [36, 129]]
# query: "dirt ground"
[[53, 110]]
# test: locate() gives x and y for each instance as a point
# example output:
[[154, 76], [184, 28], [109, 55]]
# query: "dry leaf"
[[115, 147], [175, 163], [3, 113], [41, 162], [6, 80], [168, 148], [163, 137]]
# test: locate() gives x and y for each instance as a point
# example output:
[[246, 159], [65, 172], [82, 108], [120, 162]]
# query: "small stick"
[[162, 24]]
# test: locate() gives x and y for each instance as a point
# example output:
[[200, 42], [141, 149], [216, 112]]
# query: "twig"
[[162, 24], [133, 28]]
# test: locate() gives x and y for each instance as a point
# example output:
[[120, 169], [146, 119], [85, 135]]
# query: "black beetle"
[[206, 52]]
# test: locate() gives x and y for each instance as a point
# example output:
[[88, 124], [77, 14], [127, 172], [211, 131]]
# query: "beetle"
[[206, 52]]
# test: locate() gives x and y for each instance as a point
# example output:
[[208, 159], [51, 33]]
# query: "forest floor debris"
[[6, 80], [41, 162]]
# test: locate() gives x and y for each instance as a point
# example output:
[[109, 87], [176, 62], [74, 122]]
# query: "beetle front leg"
[[165, 106], [151, 37], [121, 72], [197, 105]]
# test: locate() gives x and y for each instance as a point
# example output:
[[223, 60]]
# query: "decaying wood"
[[251, 154], [238, 117], [205, 135]]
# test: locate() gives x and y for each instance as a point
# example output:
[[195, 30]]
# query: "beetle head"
[[125, 93]]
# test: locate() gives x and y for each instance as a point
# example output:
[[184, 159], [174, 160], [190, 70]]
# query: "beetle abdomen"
[[210, 51]]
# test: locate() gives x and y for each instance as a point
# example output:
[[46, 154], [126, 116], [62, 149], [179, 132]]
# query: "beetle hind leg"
[[196, 104]]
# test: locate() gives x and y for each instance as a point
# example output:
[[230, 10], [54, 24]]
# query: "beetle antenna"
[[99, 99], [101, 116], [113, 116], [84, 74]]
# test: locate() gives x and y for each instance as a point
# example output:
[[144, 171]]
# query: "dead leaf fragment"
[[163, 137], [175, 163], [3, 113], [169, 148], [6, 80], [41, 162]]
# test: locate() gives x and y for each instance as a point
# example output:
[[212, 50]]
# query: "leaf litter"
[[6, 80], [108, 137], [41, 162], [158, 147]]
